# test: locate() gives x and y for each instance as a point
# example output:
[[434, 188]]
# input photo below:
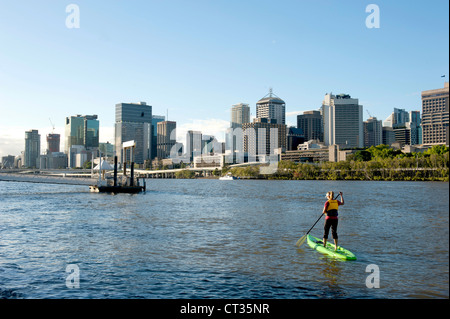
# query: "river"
[[187, 239]]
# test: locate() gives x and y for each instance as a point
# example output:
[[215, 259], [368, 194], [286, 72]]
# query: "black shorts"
[[333, 223]]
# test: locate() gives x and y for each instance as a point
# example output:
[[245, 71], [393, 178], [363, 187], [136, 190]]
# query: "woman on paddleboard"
[[331, 221]]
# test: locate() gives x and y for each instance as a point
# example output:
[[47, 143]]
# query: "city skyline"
[[49, 71]]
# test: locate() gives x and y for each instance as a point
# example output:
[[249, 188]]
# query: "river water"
[[222, 239]]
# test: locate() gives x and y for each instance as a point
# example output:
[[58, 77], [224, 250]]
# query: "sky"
[[194, 59]]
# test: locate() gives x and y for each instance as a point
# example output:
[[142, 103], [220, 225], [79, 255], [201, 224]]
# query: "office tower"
[[155, 120], [82, 130], [409, 132], [373, 132], [82, 138], [342, 121], [416, 127], [435, 115], [271, 107], [32, 148], [240, 114], [402, 127], [193, 145], [133, 123], [53, 142], [399, 116], [312, 125], [295, 136], [166, 138], [208, 142], [388, 135], [263, 137]]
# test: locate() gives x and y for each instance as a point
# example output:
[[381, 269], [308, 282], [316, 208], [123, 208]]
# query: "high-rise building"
[[402, 127], [312, 125], [240, 114], [373, 132], [342, 121], [388, 135], [294, 137], [53, 142], [271, 107], [82, 138], [193, 145], [166, 138], [399, 116], [134, 123], [32, 148], [82, 130], [435, 116], [155, 120], [263, 137]]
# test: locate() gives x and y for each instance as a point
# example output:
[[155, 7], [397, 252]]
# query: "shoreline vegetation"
[[380, 163]]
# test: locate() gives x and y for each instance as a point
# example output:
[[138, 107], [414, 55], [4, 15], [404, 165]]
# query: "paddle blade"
[[301, 241]]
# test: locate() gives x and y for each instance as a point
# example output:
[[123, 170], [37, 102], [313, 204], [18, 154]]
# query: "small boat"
[[341, 252], [227, 177]]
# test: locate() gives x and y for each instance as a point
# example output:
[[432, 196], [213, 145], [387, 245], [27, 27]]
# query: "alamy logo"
[[73, 19], [73, 280], [373, 280], [373, 19]]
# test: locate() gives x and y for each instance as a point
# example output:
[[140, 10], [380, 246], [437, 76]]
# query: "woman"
[[331, 221]]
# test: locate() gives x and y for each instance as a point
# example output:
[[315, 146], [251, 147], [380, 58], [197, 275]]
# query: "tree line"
[[374, 163]]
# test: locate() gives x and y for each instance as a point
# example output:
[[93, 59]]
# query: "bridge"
[[171, 173], [67, 179], [84, 177]]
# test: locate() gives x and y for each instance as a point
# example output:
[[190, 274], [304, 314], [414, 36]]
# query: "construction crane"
[[370, 115], [53, 125]]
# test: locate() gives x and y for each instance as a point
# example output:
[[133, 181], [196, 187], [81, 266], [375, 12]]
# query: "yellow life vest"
[[332, 209]]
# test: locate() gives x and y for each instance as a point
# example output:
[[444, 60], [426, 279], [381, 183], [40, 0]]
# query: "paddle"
[[303, 238]]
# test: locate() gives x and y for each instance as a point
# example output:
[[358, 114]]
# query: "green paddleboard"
[[341, 253]]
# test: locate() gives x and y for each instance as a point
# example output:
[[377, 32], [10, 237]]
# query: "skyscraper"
[[271, 107], [435, 116], [53, 142], [134, 123], [240, 114], [311, 124], [32, 148], [263, 137], [402, 127], [155, 120], [373, 132], [399, 116], [342, 121], [82, 130], [166, 138], [193, 145]]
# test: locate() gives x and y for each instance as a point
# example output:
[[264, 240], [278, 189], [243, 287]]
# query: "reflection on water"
[[215, 239]]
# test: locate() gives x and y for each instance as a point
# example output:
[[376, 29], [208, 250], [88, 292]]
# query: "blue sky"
[[196, 58]]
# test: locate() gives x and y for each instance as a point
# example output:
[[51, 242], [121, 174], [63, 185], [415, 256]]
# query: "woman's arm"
[[342, 198]]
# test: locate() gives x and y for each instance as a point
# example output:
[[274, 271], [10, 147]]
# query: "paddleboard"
[[341, 252]]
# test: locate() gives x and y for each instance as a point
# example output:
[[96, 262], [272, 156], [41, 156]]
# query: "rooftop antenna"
[[270, 92]]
